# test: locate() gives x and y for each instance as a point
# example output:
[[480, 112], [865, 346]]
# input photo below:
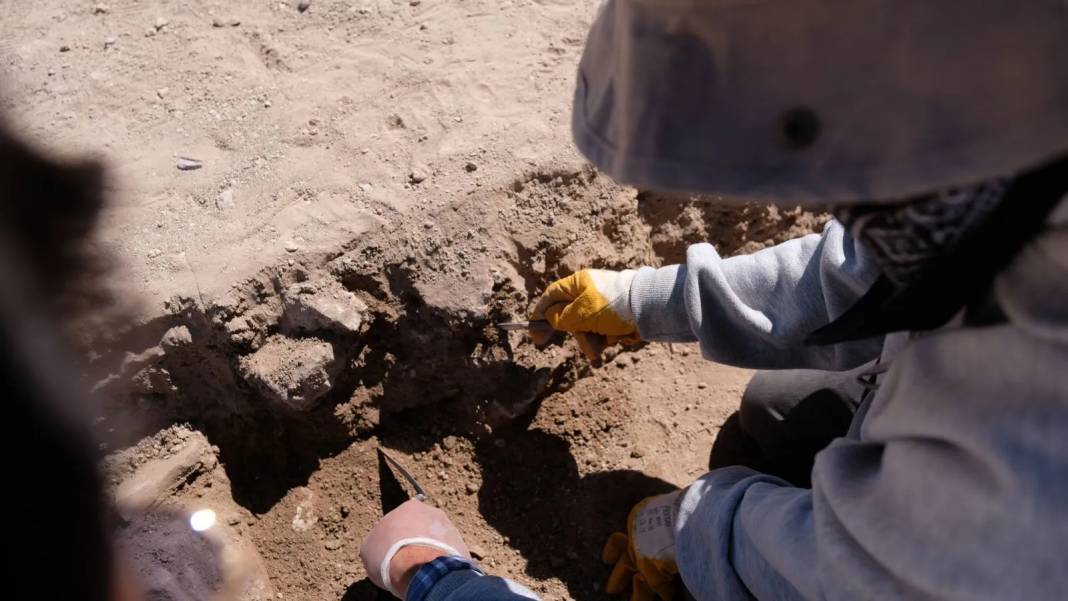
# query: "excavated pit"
[[295, 364]]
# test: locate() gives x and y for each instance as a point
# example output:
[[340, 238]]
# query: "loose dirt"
[[380, 182]]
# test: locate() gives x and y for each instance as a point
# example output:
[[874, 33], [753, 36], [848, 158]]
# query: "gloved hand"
[[411, 527], [593, 305], [644, 557]]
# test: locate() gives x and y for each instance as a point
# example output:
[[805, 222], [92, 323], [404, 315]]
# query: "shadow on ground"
[[532, 493], [364, 590], [558, 520]]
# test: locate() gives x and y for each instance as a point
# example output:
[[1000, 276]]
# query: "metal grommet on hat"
[[798, 128]]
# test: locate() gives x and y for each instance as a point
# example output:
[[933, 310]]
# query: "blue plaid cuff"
[[432, 572]]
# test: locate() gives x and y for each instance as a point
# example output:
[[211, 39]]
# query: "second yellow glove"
[[644, 557]]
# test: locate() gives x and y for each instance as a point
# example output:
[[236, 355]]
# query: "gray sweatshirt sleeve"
[[954, 490], [755, 310]]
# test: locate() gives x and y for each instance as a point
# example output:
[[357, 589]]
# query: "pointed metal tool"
[[534, 324], [420, 492]]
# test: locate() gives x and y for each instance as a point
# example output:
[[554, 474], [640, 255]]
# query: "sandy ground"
[[381, 181], [316, 123]]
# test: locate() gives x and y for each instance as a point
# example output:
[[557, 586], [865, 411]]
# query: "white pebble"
[[225, 199], [186, 164]]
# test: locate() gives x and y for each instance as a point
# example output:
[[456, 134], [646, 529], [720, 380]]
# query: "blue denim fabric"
[[456, 579]]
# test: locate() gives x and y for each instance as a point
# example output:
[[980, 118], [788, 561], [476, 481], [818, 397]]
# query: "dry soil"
[[380, 181]]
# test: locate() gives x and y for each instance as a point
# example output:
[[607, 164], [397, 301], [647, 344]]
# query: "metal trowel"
[[393, 494], [540, 325]]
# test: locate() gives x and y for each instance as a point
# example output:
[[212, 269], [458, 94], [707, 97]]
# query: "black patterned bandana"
[[907, 238], [939, 253]]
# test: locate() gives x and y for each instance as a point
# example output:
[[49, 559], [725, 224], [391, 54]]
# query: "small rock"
[[418, 175], [153, 253], [332, 544], [702, 385], [186, 164], [304, 517], [133, 363], [158, 479], [150, 32], [294, 372], [303, 5], [176, 337], [162, 93], [64, 48], [472, 488], [636, 454], [292, 247], [223, 22], [429, 225], [477, 552], [470, 167], [311, 306], [225, 200], [415, 2], [100, 9], [162, 22], [266, 104], [110, 42]]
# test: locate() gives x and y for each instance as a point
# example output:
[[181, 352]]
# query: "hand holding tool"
[[413, 523], [593, 305]]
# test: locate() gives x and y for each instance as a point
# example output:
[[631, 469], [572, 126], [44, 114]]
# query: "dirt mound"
[[402, 318], [392, 341], [679, 220], [311, 355]]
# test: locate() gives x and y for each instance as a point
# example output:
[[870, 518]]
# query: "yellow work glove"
[[593, 305], [644, 557]]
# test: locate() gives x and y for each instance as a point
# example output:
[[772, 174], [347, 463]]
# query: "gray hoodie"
[[953, 481]]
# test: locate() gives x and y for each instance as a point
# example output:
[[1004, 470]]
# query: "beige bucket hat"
[[822, 101]]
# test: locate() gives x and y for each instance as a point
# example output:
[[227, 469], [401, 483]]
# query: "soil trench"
[[299, 372]]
